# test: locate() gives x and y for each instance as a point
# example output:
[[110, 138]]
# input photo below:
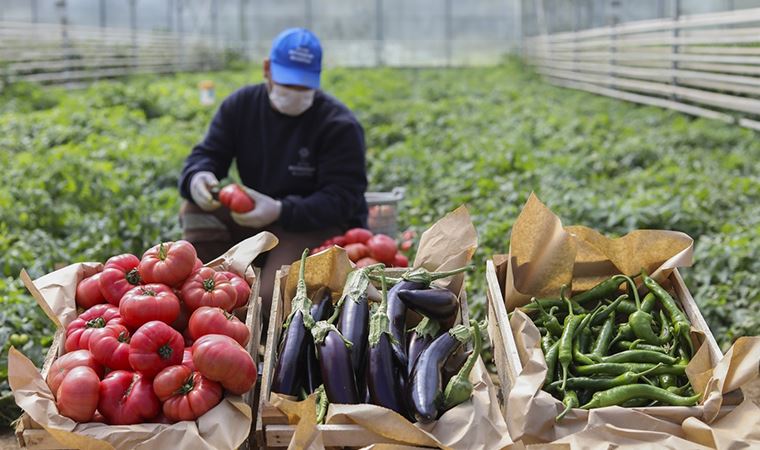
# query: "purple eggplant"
[[420, 337], [382, 377], [459, 388], [354, 326], [289, 371], [335, 364], [425, 384], [438, 304], [319, 311]]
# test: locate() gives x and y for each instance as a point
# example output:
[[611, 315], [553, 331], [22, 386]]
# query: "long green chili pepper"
[[548, 303], [602, 343], [666, 381], [621, 394], [601, 384], [618, 368], [572, 321], [578, 356], [681, 323], [627, 307], [624, 332], [547, 319], [664, 329], [640, 356], [682, 390], [647, 305], [608, 310], [636, 403], [585, 339], [551, 362], [637, 345], [570, 400], [605, 289]]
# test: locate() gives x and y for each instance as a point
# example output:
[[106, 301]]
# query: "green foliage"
[[88, 174]]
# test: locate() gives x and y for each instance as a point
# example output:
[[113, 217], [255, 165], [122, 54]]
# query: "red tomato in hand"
[[110, 347], [382, 248], [400, 261], [77, 396], [79, 331], [220, 358], [88, 292], [236, 199], [364, 262], [357, 235], [149, 302], [406, 245], [187, 358], [154, 347], [208, 287], [168, 263], [127, 398], [119, 276], [62, 366], [241, 287], [356, 252], [206, 320], [186, 394]]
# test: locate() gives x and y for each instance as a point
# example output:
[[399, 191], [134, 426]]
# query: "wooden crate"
[[508, 360], [272, 428], [31, 435]]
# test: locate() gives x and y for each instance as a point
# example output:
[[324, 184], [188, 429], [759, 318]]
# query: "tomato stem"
[[123, 337], [133, 277], [208, 284], [187, 386], [98, 322], [165, 351], [161, 251]]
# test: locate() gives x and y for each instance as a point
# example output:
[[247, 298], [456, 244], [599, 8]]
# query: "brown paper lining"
[[225, 426], [477, 423], [543, 257]]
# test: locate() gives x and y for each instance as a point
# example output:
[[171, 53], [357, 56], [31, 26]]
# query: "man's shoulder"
[[334, 111], [245, 95]]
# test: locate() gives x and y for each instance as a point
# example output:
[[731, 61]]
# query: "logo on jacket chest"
[[303, 167]]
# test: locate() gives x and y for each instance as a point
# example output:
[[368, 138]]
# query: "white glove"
[[199, 190], [266, 211]]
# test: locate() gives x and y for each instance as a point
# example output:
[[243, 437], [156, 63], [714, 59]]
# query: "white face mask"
[[290, 102]]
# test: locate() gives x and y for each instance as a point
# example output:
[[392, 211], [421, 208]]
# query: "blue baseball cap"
[[296, 58]]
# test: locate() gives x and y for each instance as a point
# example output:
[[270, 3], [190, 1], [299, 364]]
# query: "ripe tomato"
[[208, 287], [62, 366], [198, 264], [79, 331], [241, 287], [77, 396], [220, 358], [357, 235], [149, 302], [168, 263], [406, 245], [206, 320], [340, 241], [119, 276], [236, 199], [356, 252], [110, 347], [155, 346], [382, 248], [400, 261], [187, 358], [88, 292], [186, 394], [127, 398], [364, 262]]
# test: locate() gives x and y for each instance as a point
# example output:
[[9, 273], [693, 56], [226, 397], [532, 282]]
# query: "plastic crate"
[[383, 210]]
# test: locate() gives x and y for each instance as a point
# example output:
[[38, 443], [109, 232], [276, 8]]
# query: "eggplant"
[[382, 377], [335, 364], [419, 339], [438, 304], [354, 326], [459, 388], [319, 311], [426, 396], [454, 364], [397, 315], [288, 374]]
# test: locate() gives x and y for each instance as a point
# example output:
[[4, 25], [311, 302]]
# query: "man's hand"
[[199, 190], [267, 210]]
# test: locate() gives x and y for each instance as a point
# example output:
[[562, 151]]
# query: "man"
[[299, 153]]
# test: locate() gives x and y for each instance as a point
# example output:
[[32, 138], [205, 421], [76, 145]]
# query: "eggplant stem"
[[380, 323], [301, 301], [459, 388]]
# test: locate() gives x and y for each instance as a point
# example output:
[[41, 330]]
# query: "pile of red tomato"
[[156, 343], [365, 248]]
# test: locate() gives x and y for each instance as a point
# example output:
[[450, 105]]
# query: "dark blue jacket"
[[314, 163]]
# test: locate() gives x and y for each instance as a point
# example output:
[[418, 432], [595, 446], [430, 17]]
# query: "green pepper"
[[627, 307], [605, 289], [548, 303], [584, 340], [624, 332], [600, 384], [637, 345], [608, 310], [602, 344], [551, 361], [641, 323], [640, 356], [572, 322], [664, 328], [618, 368], [647, 305], [570, 401], [681, 323], [667, 381], [547, 319], [621, 394]]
